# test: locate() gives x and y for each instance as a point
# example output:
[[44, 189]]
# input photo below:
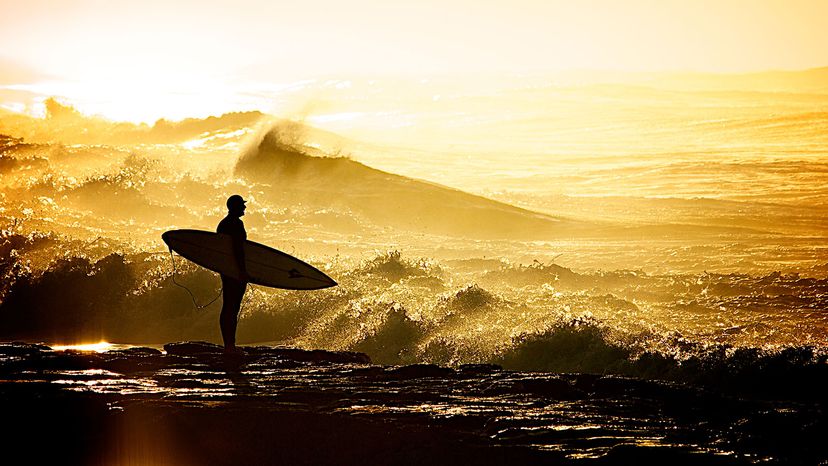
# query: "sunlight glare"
[[99, 347]]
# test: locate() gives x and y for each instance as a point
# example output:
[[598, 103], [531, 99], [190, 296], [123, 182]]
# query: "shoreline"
[[290, 406]]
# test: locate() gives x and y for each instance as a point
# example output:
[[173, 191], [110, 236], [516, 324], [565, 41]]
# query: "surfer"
[[233, 289]]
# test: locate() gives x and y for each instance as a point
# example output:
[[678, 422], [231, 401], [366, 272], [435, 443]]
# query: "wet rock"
[[209, 352], [590, 437], [132, 363], [464, 422], [613, 386], [548, 387], [136, 351], [584, 382], [319, 356], [373, 371], [192, 348], [647, 454], [269, 363], [196, 393], [22, 349], [184, 383], [479, 368], [68, 360], [419, 371], [134, 360]]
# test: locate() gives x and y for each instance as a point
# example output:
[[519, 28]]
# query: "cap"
[[235, 200]]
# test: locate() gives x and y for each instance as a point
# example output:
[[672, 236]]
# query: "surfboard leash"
[[172, 258]]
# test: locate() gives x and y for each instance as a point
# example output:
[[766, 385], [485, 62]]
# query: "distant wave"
[[296, 176]]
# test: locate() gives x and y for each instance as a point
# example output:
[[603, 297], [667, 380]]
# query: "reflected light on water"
[[99, 347]]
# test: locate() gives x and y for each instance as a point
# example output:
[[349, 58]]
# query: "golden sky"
[[204, 46]]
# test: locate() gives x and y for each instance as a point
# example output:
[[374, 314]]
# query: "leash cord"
[[172, 258]]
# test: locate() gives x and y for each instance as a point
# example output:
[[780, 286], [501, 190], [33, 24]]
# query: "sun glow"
[[198, 59], [143, 98], [99, 347]]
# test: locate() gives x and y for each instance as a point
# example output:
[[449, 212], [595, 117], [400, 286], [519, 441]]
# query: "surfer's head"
[[235, 205]]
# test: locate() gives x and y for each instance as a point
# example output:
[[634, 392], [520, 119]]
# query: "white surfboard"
[[265, 266]]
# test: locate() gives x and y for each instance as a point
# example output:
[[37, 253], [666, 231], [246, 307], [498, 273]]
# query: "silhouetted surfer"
[[233, 289]]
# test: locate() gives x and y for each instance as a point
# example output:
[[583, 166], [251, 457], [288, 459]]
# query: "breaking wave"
[[414, 310]]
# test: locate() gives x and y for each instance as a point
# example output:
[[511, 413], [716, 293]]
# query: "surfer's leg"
[[225, 322], [233, 292], [238, 297]]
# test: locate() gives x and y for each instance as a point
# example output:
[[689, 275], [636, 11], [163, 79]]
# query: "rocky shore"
[[189, 404]]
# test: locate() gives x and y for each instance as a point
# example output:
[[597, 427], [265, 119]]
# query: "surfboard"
[[265, 266]]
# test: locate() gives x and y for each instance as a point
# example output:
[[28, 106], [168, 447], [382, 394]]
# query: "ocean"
[[670, 235]]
